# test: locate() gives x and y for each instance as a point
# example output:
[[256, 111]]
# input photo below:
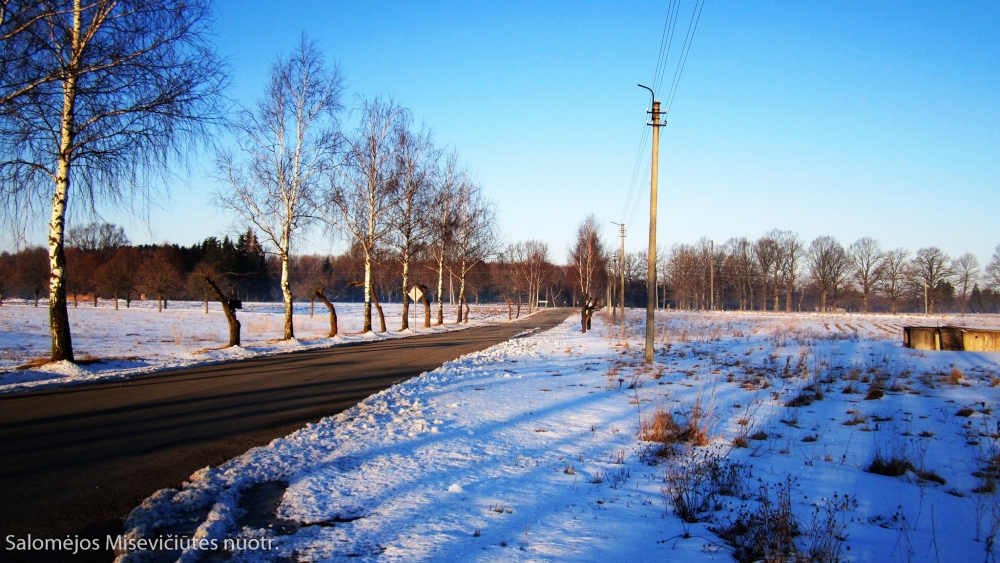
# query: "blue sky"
[[839, 118]]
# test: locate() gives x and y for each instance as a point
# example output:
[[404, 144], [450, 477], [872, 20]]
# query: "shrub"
[[766, 533], [955, 377], [891, 467], [663, 428]]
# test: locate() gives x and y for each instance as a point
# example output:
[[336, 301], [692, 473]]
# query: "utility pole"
[[651, 256], [621, 299], [711, 275]]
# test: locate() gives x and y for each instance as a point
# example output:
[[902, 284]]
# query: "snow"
[[531, 450], [140, 340]]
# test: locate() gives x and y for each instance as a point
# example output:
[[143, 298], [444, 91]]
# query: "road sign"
[[415, 294]]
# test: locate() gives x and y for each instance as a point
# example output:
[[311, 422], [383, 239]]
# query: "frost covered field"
[[756, 436], [141, 340]]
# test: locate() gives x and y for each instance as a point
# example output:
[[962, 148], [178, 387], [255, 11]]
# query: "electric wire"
[[685, 50], [634, 195], [666, 41]]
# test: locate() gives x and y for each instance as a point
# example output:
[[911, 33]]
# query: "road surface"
[[75, 460]]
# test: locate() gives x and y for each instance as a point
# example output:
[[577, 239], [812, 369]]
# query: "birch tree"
[[415, 165], [441, 216], [476, 237], [287, 146], [588, 260], [97, 100], [363, 194]]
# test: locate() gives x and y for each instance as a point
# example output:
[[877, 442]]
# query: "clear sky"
[[839, 118]]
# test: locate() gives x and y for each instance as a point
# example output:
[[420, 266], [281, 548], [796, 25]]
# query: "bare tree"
[[790, 252], [159, 276], [415, 165], [7, 271], [866, 267], [98, 98], [993, 270], [742, 269], [892, 282], [476, 237], [966, 269], [829, 267], [117, 277], [767, 252], [364, 193], [287, 147], [588, 259], [931, 268], [104, 238], [31, 271], [442, 221], [528, 260]]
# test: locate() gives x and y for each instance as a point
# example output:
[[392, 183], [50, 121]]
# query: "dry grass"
[[661, 427], [955, 377]]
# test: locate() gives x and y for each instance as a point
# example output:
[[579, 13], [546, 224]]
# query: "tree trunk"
[[367, 326], [461, 293], [822, 301], [234, 323], [62, 341], [440, 293], [427, 307], [381, 317], [333, 312], [116, 302], [159, 303], [510, 308], [405, 324], [466, 303], [286, 295]]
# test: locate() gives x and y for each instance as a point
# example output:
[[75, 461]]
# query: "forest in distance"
[[776, 272]]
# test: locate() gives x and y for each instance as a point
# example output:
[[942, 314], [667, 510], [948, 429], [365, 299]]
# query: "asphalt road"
[[76, 460]]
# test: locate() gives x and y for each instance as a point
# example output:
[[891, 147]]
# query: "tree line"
[[781, 272], [104, 265]]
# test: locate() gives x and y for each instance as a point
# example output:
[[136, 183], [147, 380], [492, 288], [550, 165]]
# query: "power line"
[[637, 189], [682, 60]]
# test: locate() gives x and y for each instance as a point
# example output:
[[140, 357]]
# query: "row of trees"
[[104, 265], [383, 184], [779, 271]]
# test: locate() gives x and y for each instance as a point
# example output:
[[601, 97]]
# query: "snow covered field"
[[753, 437], [140, 340]]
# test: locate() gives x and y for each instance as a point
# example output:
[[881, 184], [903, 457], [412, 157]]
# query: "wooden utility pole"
[[651, 256], [621, 299]]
